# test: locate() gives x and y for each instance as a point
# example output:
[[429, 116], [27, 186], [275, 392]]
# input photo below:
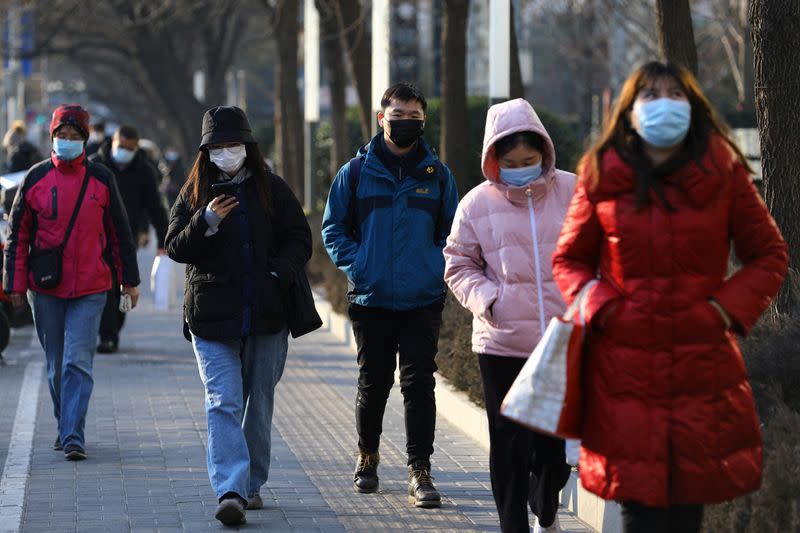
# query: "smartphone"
[[226, 187]]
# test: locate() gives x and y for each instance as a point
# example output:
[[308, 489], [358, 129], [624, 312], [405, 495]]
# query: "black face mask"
[[405, 132]]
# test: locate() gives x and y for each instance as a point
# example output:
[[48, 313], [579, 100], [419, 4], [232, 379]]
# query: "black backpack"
[[354, 175]]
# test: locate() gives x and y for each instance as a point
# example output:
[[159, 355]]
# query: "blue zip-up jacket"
[[403, 223]]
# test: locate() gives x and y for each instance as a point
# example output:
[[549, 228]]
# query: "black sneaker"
[[365, 479], [73, 452], [230, 510], [421, 491], [107, 346], [57, 445]]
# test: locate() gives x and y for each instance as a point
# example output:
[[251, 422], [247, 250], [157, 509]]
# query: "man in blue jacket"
[[388, 215]]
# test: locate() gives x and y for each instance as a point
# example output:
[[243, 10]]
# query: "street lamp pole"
[[499, 50], [14, 85], [381, 60], [311, 99]]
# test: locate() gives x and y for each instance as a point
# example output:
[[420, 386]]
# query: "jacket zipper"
[[54, 203], [537, 261]]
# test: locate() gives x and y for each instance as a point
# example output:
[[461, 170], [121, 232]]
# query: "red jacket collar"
[[73, 165], [700, 182]]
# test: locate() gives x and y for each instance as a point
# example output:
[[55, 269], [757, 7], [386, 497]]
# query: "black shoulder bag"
[[45, 263]]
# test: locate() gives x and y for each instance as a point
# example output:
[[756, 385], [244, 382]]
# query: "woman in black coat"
[[244, 238]]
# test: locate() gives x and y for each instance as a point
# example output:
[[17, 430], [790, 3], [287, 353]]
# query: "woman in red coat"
[[669, 423]]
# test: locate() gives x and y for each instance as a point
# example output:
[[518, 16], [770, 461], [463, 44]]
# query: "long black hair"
[[196, 190]]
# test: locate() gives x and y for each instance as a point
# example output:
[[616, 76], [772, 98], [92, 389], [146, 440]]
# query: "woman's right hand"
[[222, 205]]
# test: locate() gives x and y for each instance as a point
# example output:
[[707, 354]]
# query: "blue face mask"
[[66, 149], [663, 122], [519, 177], [122, 156]]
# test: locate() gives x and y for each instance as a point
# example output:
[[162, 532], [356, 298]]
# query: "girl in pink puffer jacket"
[[498, 265]]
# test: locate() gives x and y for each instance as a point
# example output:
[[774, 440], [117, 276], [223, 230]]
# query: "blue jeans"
[[239, 377], [67, 330]]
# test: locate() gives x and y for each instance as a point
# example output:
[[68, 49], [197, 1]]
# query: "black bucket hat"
[[226, 124]]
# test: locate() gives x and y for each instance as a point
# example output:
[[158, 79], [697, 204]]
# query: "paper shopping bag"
[[546, 395]]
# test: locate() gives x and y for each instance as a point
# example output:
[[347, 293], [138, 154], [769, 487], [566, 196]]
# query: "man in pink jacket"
[[497, 263]]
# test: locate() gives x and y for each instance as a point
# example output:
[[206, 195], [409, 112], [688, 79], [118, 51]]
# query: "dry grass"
[[776, 506], [455, 359]]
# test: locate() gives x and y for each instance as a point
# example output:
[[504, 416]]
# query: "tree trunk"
[[453, 136], [333, 57], [675, 33], [747, 59], [516, 88], [353, 28], [288, 115], [777, 93]]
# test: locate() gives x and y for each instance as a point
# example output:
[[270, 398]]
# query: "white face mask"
[[229, 159]]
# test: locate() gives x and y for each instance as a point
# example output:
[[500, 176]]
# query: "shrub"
[[455, 359], [776, 506], [772, 356]]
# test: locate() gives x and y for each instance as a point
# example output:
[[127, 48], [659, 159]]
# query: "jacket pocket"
[[357, 273], [270, 299], [495, 310], [701, 323], [216, 297]]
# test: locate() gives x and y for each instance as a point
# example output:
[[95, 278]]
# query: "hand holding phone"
[[226, 188], [222, 205]]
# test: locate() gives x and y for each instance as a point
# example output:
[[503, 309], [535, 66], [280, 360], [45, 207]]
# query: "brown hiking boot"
[[255, 502], [365, 479], [421, 491]]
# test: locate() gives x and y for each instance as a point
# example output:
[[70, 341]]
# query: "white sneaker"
[[554, 527]]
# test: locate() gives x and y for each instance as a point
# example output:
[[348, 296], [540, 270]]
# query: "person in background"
[[97, 138], [388, 214], [497, 263], [175, 175], [21, 155], [670, 424], [243, 248], [66, 315], [137, 181]]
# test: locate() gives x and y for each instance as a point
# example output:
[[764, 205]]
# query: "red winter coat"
[[40, 215], [669, 415]]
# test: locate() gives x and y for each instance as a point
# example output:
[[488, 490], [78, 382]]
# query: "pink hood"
[[490, 256], [507, 118]]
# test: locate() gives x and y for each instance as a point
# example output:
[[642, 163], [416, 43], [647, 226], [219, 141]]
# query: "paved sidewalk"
[[146, 442]]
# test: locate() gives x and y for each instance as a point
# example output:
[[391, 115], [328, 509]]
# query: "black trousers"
[[638, 518], [526, 468], [380, 334], [112, 320]]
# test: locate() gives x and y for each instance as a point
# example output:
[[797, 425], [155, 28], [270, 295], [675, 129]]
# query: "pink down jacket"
[[498, 255]]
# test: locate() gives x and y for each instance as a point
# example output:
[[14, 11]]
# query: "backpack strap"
[[353, 175], [76, 210], [441, 175]]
